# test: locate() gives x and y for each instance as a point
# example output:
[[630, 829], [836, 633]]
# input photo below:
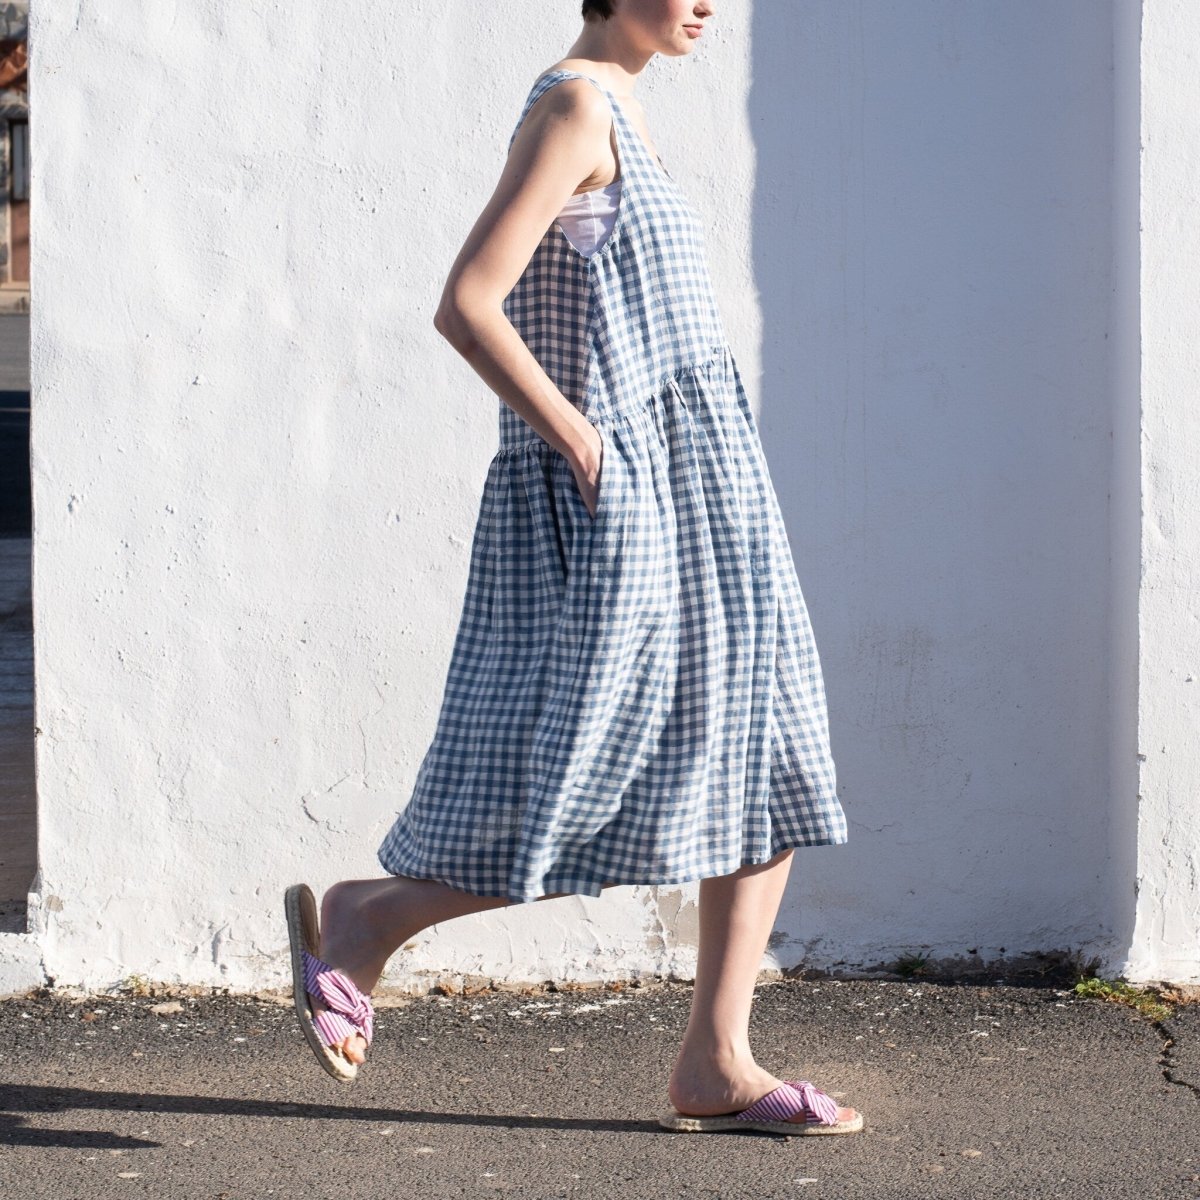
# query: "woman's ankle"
[[350, 937], [715, 1052], [701, 1074]]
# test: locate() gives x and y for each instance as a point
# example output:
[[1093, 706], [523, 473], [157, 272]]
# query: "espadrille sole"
[[716, 1124]]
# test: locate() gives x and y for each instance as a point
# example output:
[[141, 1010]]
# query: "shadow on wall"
[[932, 224]]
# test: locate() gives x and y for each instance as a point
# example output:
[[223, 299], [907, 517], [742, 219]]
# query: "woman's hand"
[[587, 468]]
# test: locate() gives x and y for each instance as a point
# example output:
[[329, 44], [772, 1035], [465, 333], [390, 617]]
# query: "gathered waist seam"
[[668, 383]]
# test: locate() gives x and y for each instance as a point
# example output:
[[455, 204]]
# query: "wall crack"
[[1164, 1061]]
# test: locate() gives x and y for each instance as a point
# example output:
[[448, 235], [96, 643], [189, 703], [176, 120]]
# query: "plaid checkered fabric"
[[633, 697]]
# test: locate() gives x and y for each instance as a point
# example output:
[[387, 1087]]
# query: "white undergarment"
[[588, 217]]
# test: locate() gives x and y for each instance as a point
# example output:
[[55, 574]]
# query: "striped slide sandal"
[[348, 1010], [771, 1113]]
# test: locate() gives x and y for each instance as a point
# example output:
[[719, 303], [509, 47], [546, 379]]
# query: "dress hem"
[[578, 885]]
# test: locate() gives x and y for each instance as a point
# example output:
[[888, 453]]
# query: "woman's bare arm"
[[560, 144]]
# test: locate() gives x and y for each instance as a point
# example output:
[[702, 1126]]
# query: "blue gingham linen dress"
[[633, 697]]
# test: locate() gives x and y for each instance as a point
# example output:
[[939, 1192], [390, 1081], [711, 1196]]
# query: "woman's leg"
[[715, 1071], [365, 921]]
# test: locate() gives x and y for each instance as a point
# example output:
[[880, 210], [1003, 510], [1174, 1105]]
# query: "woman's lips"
[[694, 30]]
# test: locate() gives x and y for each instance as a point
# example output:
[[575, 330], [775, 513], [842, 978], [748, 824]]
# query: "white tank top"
[[588, 217]]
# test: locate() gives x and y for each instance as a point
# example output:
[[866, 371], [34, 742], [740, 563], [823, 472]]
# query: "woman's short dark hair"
[[597, 8]]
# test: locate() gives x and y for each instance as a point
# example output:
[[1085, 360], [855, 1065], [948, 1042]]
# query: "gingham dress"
[[633, 697]]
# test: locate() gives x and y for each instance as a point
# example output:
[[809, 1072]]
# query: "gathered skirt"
[[634, 696]]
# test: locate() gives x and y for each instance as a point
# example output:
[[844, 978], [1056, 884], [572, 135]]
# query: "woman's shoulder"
[[561, 92], [569, 96], [573, 81]]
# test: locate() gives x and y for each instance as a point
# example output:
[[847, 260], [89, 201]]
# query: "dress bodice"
[[611, 324]]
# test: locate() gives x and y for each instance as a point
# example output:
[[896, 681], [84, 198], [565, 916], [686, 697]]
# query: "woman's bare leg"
[[715, 1071], [365, 921]]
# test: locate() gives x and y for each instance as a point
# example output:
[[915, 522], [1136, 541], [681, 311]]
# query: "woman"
[[634, 695]]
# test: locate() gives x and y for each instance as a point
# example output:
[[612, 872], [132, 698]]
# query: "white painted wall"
[[1166, 943], [256, 465]]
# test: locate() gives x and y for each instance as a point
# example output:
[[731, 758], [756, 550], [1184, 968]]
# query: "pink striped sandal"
[[771, 1114], [348, 1011]]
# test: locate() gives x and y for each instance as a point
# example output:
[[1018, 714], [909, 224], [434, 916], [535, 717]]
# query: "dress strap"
[[544, 83]]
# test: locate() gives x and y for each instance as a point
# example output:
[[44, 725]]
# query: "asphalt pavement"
[[1013, 1089]]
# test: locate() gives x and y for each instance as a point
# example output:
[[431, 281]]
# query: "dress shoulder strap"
[[545, 82]]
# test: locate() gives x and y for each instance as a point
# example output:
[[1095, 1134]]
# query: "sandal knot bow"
[[348, 1011], [789, 1098]]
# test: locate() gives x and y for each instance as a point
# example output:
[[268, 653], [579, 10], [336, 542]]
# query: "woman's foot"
[[705, 1088], [364, 922], [348, 946]]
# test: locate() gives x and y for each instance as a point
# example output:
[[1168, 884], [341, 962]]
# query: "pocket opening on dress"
[[601, 484]]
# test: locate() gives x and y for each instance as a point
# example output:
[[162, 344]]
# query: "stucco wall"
[[256, 465], [1166, 941]]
